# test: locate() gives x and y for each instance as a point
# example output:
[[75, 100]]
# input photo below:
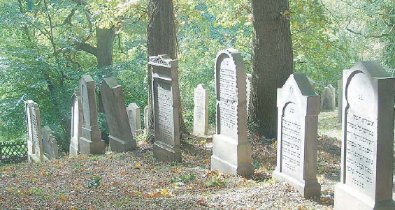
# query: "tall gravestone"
[[339, 99], [248, 81], [51, 150], [367, 146], [200, 111], [147, 117], [166, 102], [328, 98], [120, 138], [231, 149], [298, 109], [34, 134], [76, 124], [90, 140], [134, 117]]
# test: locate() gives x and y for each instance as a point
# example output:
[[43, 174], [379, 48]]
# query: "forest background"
[[47, 45]]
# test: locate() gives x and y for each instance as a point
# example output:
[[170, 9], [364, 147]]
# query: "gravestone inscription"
[[298, 109], [120, 138], [166, 108], [367, 145], [231, 149]]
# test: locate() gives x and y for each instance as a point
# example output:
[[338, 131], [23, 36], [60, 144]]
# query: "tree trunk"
[[272, 62], [161, 40], [104, 42]]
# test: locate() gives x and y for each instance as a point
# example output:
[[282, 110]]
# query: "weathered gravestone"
[[134, 117], [200, 111], [339, 99], [328, 98], [90, 140], [147, 117], [367, 146], [76, 124], [120, 138], [298, 109], [34, 135], [231, 149], [51, 150], [166, 102]]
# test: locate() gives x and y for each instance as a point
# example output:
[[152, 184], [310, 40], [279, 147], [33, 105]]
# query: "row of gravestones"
[[41, 143], [367, 120]]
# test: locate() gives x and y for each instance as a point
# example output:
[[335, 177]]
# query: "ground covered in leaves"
[[136, 180]]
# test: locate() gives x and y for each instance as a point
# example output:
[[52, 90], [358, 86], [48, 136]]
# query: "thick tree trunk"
[[161, 40], [104, 42], [272, 61]]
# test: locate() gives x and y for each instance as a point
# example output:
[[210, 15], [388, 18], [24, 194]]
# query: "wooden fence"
[[13, 152]]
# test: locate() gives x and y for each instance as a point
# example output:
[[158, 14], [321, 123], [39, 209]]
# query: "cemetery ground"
[[136, 180]]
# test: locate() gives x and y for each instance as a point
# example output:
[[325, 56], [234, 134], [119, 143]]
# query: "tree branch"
[[86, 47]]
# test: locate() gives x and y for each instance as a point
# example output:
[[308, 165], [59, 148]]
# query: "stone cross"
[[76, 124], [166, 108], [120, 138], [34, 135], [298, 108], [368, 134], [134, 117], [200, 111], [328, 98], [231, 149], [90, 140], [51, 150]]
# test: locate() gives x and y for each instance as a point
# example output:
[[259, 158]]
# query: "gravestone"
[[134, 117], [328, 98], [50, 144], [339, 99], [76, 124], [298, 108], [34, 134], [367, 145], [231, 149], [147, 116], [166, 103], [249, 79], [120, 138], [200, 111], [90, 140]]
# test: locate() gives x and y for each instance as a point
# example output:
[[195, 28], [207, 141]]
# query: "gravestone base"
[[347, 198], [118, 145], [73, 151], [230, 157], [308, 189], [91, 147], [166, 153]]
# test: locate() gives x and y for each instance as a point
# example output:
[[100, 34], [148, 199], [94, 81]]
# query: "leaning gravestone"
[[134, 117], [328, 98], [200, 111], [166, 104], [76, 124], [367, 146], [298, 109], [339, 99], [90, 140], [51, 150], [120, 138], [34, 135], [231, 149]]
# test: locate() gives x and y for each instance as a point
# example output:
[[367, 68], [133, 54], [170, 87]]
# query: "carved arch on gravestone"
[[235, 58]]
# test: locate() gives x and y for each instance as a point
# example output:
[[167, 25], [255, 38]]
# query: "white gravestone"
[[200, 111], [90, 140], [166, 103], [34, 134], [231, 149], [76, 124], [367, 145], [120, 138], [298, 108], [134, 117], [146, 118]]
